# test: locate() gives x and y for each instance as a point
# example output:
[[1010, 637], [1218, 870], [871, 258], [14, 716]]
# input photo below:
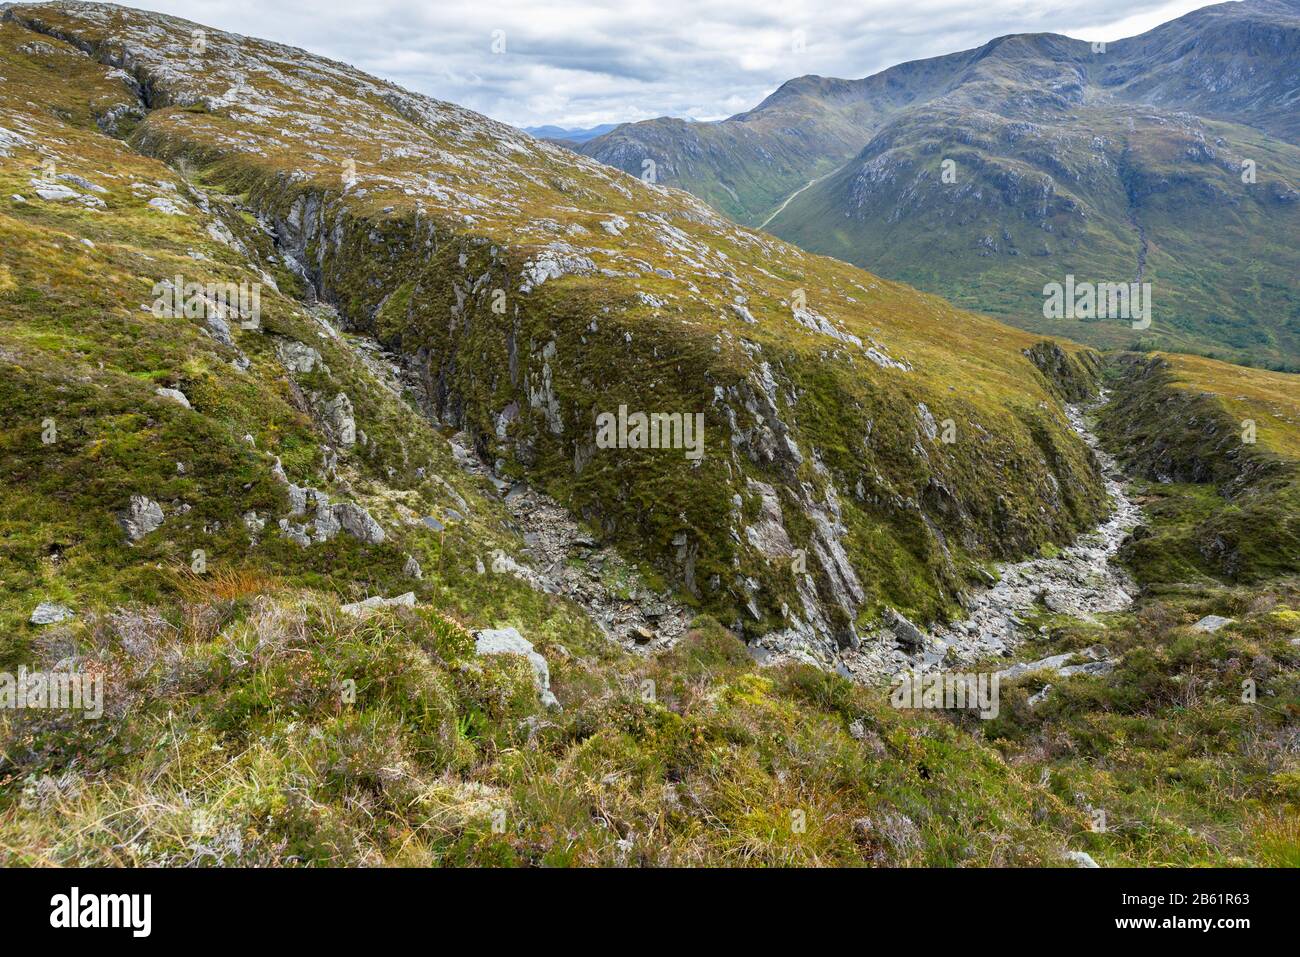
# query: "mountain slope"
[[529, 291], [990, 173], [256, 715], [748, 164]]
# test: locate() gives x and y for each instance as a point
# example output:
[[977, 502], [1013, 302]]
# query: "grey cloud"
[[572, 63]]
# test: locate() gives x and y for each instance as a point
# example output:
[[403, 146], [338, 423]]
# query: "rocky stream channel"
[[1079, 581]]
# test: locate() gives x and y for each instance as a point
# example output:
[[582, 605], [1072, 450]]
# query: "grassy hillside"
[[532, 290], [251, 718], [1106, 194]]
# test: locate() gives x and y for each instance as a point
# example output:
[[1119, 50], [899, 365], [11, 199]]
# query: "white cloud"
[[576, 64]]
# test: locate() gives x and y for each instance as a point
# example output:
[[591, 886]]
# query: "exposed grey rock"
[[928, 426], [339, 421], [1211, 623], [1096, 668], [357, 522], [219, 328], [326, 523], [1039, 697], [140, 517], [767, 533], [543, 396], [298, 357], [48, 613], [176, 395], [1080, 859], [412, 568], [503, 564], [508, 641], [368, 606], [295, 533], [908, 635], [1096, 662]]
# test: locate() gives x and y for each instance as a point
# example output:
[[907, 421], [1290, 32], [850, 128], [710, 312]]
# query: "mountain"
[[321, 474], [568, 135], [530, 292], [1108, 165]]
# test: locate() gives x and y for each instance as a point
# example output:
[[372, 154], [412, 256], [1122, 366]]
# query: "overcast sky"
[[579, 64]]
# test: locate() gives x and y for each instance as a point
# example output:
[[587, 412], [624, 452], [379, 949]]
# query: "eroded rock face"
[[328, 520], [140, 517], [356, 521], [418, 270], [337, 417], [508, 641], [298, 357]]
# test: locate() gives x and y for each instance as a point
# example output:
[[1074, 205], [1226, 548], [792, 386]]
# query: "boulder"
[[140, 517], [368, 606], [48, 613], [908, 635], [1211, 623], [508, 641], [176, 395]]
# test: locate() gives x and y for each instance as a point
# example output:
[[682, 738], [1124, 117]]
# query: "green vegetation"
[[1217, 449], [986, 174], [250, 720], [1181, 769], [234, 745]]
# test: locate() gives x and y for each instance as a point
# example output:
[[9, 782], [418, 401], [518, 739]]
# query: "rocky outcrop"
[[508, 641], [49, 613], [338, 420], [368, 606], [328, 519], [140, 517], [1074, 376]]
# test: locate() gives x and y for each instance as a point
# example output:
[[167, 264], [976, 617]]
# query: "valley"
[[985, 174], [363, 588]]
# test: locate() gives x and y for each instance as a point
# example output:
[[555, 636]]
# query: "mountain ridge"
[[1011, 115]]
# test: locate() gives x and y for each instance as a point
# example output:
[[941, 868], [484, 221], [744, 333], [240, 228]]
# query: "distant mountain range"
[[569, 134], [1172, 157]]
